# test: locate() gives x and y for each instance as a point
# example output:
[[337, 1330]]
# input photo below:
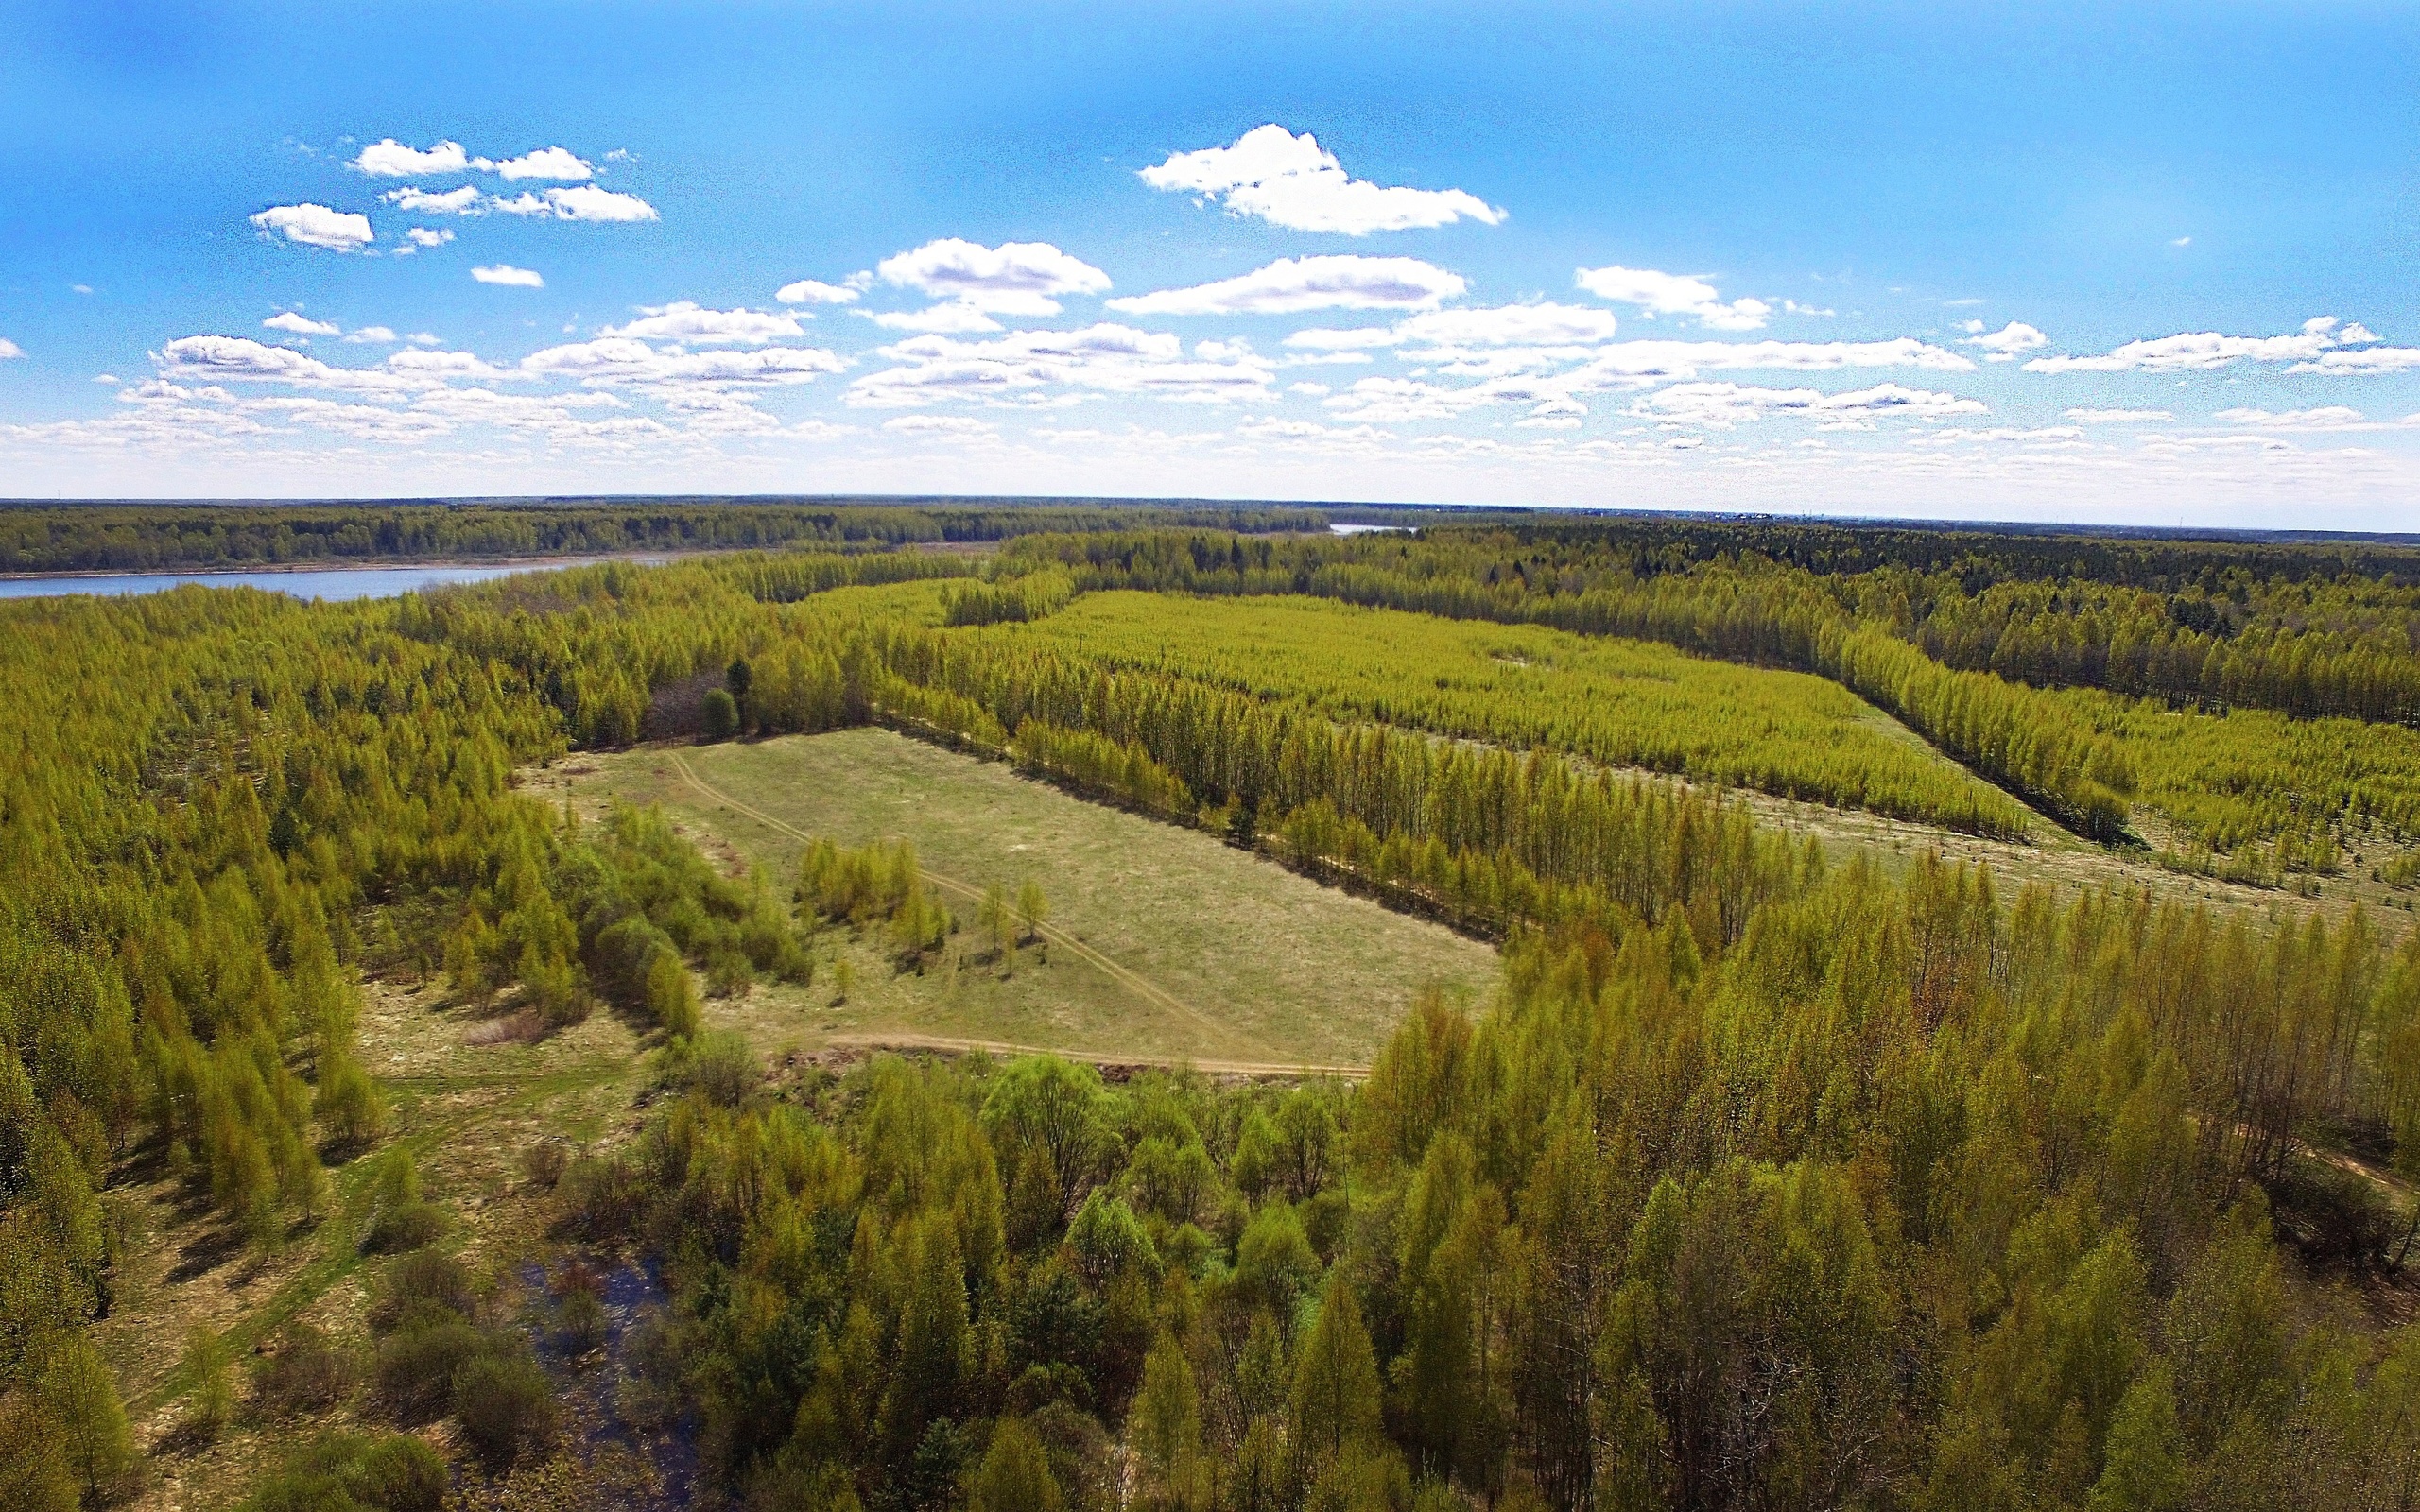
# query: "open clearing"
[[1203, 952]]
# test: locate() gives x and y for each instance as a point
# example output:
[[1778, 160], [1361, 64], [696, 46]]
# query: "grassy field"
[[1176, 945]]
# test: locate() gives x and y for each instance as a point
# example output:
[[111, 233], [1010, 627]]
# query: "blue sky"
[[2098, 263]]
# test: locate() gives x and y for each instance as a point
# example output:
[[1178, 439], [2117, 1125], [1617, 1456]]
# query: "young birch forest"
[[1771, 1177]]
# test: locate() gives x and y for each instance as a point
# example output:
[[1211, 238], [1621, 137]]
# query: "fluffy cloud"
[[443, 366], [588, 202], [1723, 405], [301, 325], [1550, 378], [240, 359], [1673, 294], [2004, 344], [1292, 284], [810, 291], [686, 322], [1057, 367], [390, 159], [614, 359], [419, 236], [1529, 325], [2308, 349], [942, 319], [504, 273], [2362, 361], [545, 162], [378, 334], [1016, 278], [2059, 436], [1291, 181], [1630, 363], [10, 349], [2086, 415], [338, 230], [462, 201], [585, 202], [2323, 417]]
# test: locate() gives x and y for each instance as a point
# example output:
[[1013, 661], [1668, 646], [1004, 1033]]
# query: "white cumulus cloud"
[[419, 236], [2004, 344], [1291, 181], [462, 201], [609, 360], [952, 319], [588, 202], [1723, 405], [504, 273], [390, 159], [2322, 418], [312, 224], [10, 349], [545, 162], [1673, 294], [301, 325], [377, 335], [1291, 284], [1050, 368], [686, 322], [2361, 361], [1016, 278], [2313, 349], [811, 291], [1525, 325]]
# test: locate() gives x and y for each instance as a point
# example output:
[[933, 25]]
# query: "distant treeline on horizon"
[[149, 537], [158, 537]]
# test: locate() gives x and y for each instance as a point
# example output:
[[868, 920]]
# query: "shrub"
[[305, 1374], [420, 1285], [418, 1365], [542, 1163], [503, 1405], [407, 1227], [343, 1472], [722, 1068], [720, 714]]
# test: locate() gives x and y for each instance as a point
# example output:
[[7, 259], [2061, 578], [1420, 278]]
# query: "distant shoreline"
[[341, 564]]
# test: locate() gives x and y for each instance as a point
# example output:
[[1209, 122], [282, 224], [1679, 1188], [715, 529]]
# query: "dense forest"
[[1770, 1179], [158, 538]]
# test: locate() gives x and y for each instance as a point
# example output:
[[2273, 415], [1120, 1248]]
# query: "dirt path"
[[1142, 986]]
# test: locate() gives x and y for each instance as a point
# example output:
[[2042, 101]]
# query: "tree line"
[[152, 537]]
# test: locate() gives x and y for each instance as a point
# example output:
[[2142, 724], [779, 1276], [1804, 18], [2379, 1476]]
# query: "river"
[[303, 582]]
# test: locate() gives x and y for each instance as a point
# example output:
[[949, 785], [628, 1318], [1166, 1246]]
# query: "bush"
[[541, 1164], [407, 1226], [305, 1374], [724, 1069], [342, 1472], [420, 1286], [503, 1405], [720, 713], [418, 1365]]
